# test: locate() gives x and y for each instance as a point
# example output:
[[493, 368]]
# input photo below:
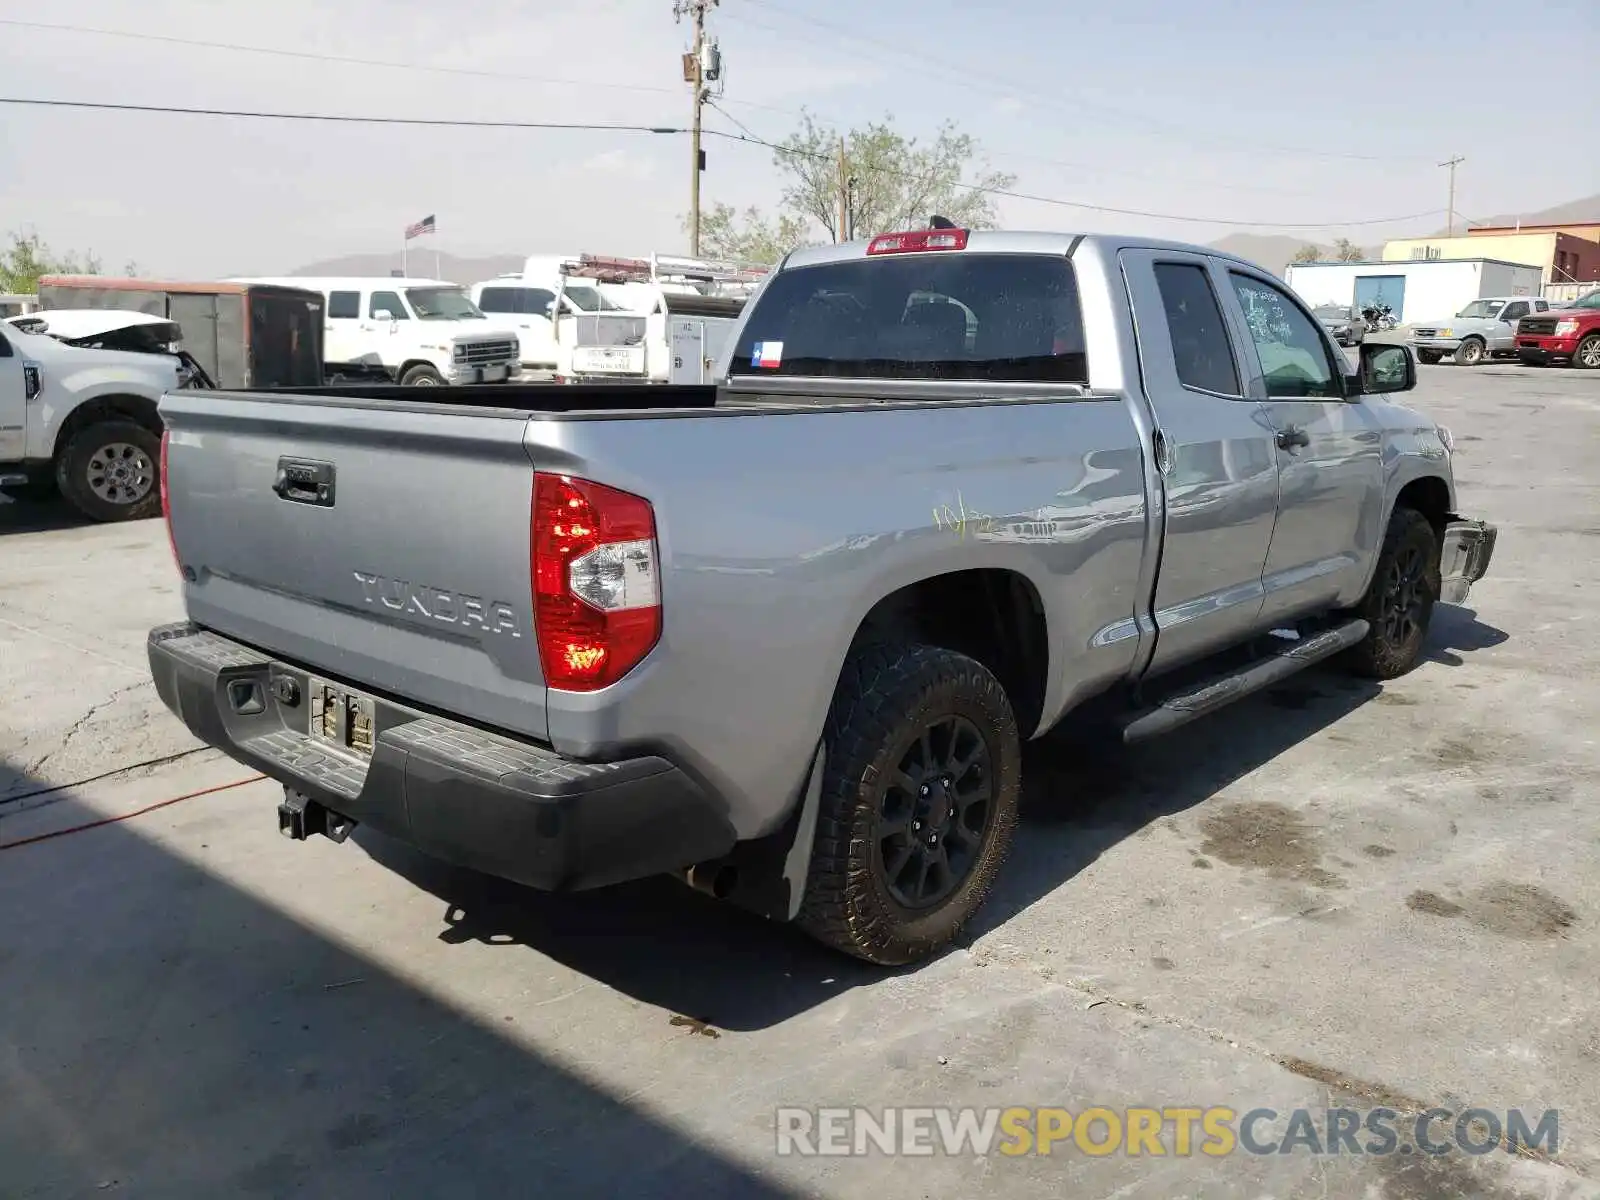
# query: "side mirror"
[[1387, 367], [383, 314]]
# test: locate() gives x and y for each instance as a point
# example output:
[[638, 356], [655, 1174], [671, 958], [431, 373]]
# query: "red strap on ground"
[[138, 812]]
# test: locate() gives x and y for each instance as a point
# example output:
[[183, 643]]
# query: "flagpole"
[[436, 267], [405, 254]]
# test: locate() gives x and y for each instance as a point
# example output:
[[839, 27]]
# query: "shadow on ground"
[[671, 947], [163, 1034], [37, 516]]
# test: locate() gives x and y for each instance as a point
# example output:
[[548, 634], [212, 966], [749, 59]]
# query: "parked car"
[[1343, 323], [80, 417], [417, 332], [784, 636], [1482, 330], [1568, 334]]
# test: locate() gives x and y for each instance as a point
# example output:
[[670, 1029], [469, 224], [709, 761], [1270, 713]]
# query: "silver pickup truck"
[[783, 637]]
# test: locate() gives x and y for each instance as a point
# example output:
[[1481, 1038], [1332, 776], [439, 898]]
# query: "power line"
[[750, 138], [964, 76], [620, 127], [557, 81], [351, 60], [347, 119]]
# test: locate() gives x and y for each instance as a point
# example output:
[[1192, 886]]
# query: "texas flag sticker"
[[766, 354]]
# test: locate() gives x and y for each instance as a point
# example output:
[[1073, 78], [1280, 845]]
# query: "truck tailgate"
[[387, 547]]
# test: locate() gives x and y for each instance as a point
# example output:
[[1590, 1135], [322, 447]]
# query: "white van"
[[526, 302], [419, 332]]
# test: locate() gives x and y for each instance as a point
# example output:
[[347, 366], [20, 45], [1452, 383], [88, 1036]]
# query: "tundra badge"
[[443, 605]]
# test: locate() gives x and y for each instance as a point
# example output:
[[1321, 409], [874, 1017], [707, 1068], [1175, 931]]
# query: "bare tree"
[[1347, 251]]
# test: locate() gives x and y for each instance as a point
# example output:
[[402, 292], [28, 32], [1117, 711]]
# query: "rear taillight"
[[166, 502], [596, 581], [918, 240]]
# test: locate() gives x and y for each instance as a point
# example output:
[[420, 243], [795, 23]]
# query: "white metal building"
[[1423, 290]]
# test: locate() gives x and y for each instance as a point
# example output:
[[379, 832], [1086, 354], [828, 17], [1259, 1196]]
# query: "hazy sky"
[[1250, 112]]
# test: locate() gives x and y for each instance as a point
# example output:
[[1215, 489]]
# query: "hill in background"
[[1270, 250]]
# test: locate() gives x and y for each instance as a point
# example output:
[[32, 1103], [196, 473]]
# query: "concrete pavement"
[[1333, 895]]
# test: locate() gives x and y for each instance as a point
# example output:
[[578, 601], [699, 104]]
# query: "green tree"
[[1307, 254], [1347, 251], [748, 236], [28, 258], [889, 182]]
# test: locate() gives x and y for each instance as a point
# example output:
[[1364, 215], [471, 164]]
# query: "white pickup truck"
[[78, 397], [527, 302], [675, 320], [419, 332]]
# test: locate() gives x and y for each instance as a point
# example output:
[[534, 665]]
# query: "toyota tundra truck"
[[1570, 334], [784, 636]]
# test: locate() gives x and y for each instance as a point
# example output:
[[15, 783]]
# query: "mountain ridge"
[[1270, 250]]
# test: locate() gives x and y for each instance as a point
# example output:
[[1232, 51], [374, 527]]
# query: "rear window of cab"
[[947, 315]]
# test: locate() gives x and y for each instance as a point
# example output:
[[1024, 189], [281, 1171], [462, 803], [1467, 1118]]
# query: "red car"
[[1571, 334]]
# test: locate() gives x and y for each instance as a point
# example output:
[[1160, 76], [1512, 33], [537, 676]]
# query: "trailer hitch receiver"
[[299, 817]]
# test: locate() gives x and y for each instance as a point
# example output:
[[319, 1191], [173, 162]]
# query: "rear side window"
[[533, 302], [951, 315], [344, 306], [498, 300], [1515, 310], [1200, 346]]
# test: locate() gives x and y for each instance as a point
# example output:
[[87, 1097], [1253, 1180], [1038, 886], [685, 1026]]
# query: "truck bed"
[[783, 511]]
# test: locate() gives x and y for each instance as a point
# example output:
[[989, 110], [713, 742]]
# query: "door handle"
[[1165, 460], [1291, 437]]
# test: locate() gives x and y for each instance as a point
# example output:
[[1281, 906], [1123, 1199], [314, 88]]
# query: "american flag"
[[421, 227]]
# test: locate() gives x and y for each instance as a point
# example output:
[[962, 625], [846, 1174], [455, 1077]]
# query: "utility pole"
[[1452, 163], [699, 67], [841, 229]]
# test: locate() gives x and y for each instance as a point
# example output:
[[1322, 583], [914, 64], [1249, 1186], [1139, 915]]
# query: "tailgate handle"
[[305, 481]]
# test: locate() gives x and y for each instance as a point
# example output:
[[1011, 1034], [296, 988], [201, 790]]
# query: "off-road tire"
[[1388, 653], [887, 695], [422, 375], [1588, 348], [1471, 352], [85, 450], [1431, 357]]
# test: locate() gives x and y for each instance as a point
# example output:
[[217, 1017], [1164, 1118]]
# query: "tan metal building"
[[1563, 253]]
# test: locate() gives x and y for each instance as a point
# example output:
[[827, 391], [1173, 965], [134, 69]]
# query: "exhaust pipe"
[[300, 817], [716, 879]]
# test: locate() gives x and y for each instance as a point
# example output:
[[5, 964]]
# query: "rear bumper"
[[1464, 558], [481, 800]]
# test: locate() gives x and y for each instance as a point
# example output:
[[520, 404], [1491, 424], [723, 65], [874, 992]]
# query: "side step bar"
[[1217, 693]]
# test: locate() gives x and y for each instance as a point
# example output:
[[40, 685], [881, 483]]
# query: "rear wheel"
[[918, 806], [1431, 357], [1587, 354], [1399, 602], [1471, 352], [109, 472], [422, 375]]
